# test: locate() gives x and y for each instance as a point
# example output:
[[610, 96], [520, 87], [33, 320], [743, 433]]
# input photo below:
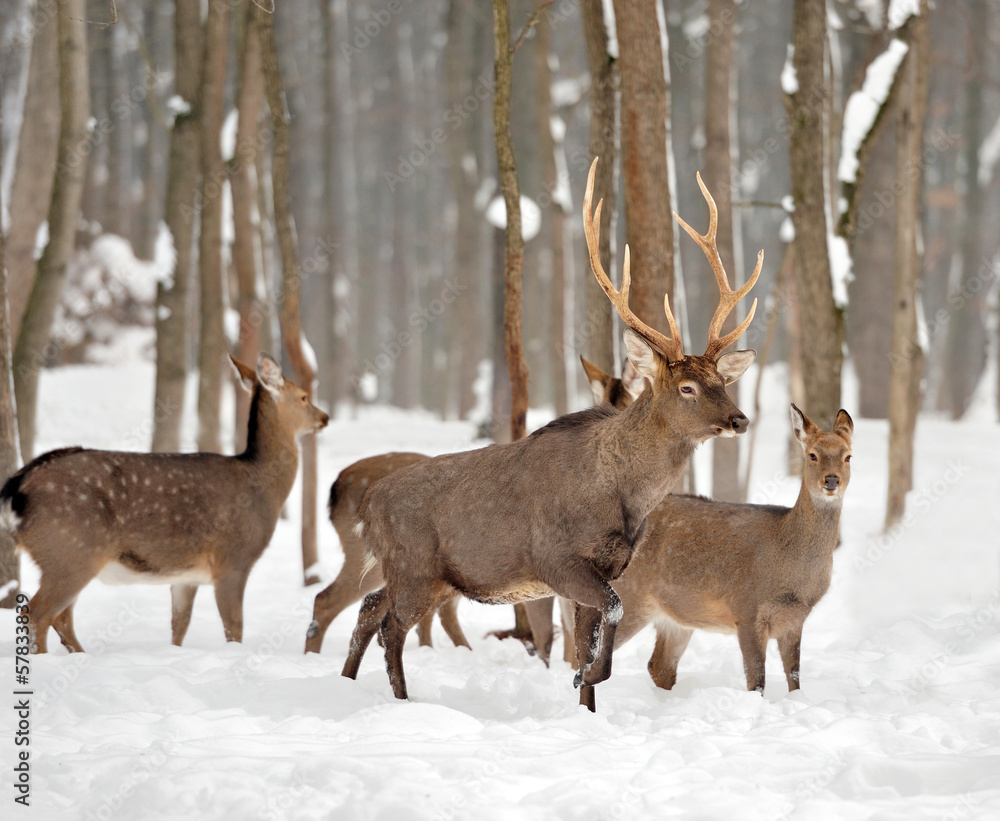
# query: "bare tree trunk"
[[242, 178], [179, 216], [64, 211], [10, 568], [966, 340], [31, 188], [468, 230], [907, 357], [718, 177], [553, 220], [603, 143], [340, 208], [649, 229], [300, 354], [822, 353], [212, 336]]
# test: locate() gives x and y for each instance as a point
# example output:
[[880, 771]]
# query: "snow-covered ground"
[[898, 716]]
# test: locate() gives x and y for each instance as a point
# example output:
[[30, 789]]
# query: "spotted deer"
[[560, 511], [753, 570], [183, 519], [353, 582]]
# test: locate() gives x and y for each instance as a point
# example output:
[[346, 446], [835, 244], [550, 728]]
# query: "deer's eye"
[[813, 457], [847, 458], [687, 390]]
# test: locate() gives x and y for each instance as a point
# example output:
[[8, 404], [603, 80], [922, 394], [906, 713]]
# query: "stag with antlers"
[[561, 510]]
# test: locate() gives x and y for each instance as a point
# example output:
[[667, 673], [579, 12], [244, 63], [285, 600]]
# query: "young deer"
[[756, 570], [353, 582], [182, 519], [561, 510]]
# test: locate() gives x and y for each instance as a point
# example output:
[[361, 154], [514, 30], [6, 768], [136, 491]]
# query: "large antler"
[[669, 346], [727, 296]]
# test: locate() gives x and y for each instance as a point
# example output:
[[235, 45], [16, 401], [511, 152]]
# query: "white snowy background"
[[898, 716]]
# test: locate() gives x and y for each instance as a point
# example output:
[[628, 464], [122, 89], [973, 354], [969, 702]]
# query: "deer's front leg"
[[789, 644], [753, 645], [229, 589], [584, 585]]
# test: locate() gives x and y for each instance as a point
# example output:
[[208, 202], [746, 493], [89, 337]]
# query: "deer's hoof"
[[313, 629], [578, 679]]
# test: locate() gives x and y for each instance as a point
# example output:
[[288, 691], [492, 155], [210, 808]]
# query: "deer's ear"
[[244, 375], [843, 425], [634, 382], [733, 365], [640, 354], [269, 373], [597, 379], [802, 425]]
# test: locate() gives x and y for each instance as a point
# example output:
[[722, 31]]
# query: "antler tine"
[[669, 346], [728, 298]]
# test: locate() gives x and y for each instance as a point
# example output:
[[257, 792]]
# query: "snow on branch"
[[863, 107]]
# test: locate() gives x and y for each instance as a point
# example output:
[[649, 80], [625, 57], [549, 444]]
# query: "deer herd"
[[583, 509]]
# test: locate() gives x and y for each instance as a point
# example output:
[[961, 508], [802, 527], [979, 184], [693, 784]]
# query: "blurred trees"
[[392, 163]]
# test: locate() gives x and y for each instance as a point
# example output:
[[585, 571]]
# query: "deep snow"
[[898, 716]]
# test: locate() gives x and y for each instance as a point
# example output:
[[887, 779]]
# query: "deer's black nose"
[[831, 482], [740, 423]]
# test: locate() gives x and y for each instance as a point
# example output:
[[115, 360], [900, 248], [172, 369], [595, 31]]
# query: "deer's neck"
[[647, 453], [817, 517], [270, 451]]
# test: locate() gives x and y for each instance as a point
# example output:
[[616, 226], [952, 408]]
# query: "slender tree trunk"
[[469, 351], [718, 177], [179, 217], [822, 353], [340, 208], [299, 353], [31, 188], [243, 180], [553, 218], [649, 229], [10, 568], [603, 143], [64, 211], [966, 341], [212, 337], [517, 368], [907, 357]]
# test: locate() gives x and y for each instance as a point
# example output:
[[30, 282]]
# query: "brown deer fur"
[[559, 511], [159, 518], [756, 570], [352, 581]]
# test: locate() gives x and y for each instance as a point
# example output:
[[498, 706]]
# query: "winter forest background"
[[855, 142]]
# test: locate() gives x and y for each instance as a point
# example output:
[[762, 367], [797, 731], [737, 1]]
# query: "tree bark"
[[31, 188], [64, 211], [299, 354], [718, 177], [553, 220], [644, 112], [822, 351], [966, 340], [212, 336], [243, 180], [603, 143], [517, 367], [10, 568], [907, 356], [178, 215]]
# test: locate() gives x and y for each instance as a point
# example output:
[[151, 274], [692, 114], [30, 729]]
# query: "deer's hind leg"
[[347, 588], [181, 605], [63, 625], [448, 613], [373, 611], [407, 607], [56, 593], [671, 641]]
